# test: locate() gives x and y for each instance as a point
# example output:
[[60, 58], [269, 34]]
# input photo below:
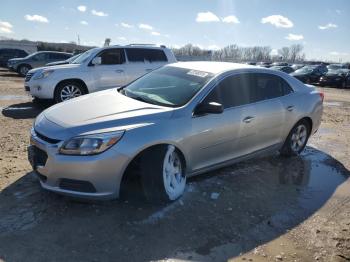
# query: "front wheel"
[[162, 174], [68, 90], [23, 70], [297, 139]]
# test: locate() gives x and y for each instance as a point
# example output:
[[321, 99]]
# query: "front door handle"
[[119, 71], [248, 119], [148, 70], [290, 108]]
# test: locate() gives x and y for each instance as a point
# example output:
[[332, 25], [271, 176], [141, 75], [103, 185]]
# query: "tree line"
[[235, 53]]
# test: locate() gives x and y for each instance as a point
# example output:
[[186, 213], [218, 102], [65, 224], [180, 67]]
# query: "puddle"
[[14, 97]]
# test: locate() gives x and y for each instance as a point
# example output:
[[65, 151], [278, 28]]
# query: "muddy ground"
[[270, 209]]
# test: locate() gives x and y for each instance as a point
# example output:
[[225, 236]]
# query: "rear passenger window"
[[248, 88], [112, 57], [268, 86], [145, 55]]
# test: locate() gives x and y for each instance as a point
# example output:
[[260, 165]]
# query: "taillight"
[[322, 96]]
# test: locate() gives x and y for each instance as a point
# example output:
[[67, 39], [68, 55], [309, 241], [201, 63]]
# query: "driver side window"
[[112, 57]]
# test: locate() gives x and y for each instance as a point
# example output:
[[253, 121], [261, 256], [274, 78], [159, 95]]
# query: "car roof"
[[56, 52], [211, 66]]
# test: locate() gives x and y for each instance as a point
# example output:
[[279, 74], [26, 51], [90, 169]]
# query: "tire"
[[23, 70], [68, 90], [297, 139], [163, 175], [343, 85]]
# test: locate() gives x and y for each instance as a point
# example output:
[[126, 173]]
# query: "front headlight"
[[43, 74], [90, 144]]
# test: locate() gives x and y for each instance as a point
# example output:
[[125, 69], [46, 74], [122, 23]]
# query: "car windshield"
[[72, 59], [168, 86], [337, 71], [334, 67], [83, 57], [305, 70], [31, 55]]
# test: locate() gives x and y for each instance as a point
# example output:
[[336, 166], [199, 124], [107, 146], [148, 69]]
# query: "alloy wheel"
[[69, 92], [298, 138], [173, 175]]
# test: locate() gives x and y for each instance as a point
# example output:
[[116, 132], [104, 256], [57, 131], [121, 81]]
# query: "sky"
[[321, 26]]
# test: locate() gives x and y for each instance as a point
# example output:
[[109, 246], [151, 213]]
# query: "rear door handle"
[[248, 119], [119, 71], [148, 70], [290, 108]]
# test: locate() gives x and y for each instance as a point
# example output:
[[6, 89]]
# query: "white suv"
[[95, 70]]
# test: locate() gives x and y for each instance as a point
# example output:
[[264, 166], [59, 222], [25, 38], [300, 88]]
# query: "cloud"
[[36, 18], [145, 26], [84, 23], [122, 38], [5, 27], [230, 19], [98, 13], [81, 8], [293, 37], [207, 17], [327, 26], [155, 33], [126, 25], [338, 11], [278, 21]]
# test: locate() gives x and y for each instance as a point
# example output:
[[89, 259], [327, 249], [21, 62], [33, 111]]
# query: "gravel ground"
[[268, 209]]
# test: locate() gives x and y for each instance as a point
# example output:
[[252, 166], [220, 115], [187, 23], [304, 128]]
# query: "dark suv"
[[8, 53], [38, 59]]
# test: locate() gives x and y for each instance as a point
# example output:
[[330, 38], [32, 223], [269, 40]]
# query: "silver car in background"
[[181, 120]]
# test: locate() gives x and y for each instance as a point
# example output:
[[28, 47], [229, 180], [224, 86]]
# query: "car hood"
[[299, 74], [102, 111], [15, 60], [55, 67]]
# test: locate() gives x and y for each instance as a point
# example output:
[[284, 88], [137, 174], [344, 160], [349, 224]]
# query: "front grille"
[[28, 77], [40, 157], [77, 185], [47, 139]]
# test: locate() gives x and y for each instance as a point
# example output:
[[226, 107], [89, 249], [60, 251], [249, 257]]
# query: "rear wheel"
[[23, 69], [162, 174], [343, 84], [68, 90], [297, 139]]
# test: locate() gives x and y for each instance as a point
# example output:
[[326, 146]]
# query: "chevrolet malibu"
[[178, 121]]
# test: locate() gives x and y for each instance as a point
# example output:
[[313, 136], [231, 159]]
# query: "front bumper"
[[41, 88], [93, 177], [329, 82]]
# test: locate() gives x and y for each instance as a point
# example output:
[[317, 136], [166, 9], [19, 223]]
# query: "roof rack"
[[162, 46]]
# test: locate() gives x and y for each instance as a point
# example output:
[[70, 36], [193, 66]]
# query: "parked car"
[[264, 64], [38, 59], [297, 66], [279, 64], [64, 62], [286, 69], [9, 53], [310, 73], [178, 121], [95, 70], [336, 77], [337, 66]]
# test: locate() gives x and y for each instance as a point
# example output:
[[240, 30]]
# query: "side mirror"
[[208, 108], [96, 61]]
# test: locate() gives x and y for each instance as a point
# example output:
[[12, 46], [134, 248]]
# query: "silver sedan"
[[181, 120]]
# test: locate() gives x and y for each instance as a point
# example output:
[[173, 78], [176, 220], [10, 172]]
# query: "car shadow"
[[255, 202], [25, 110]]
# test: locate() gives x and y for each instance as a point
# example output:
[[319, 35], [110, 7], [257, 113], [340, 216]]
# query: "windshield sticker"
[[197, 73]]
